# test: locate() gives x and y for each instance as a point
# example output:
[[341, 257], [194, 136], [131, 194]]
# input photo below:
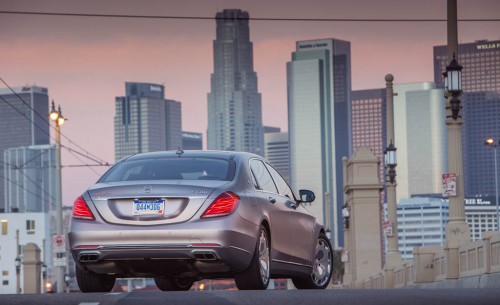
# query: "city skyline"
[[69, 56]]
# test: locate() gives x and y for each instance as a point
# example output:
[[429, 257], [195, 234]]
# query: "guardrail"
[[430, 264]]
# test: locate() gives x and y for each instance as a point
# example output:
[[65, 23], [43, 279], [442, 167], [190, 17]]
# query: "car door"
[[270, 200], [299, 239]]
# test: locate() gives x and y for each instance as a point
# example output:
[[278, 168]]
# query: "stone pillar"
[[362, 190], [424, 263], [32, 268], [347, 279]]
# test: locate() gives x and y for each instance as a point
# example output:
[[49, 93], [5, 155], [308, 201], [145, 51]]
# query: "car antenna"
[[179, 152]]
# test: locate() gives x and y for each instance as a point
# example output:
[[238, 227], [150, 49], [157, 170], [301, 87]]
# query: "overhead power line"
[[57, 14], [87, 154]]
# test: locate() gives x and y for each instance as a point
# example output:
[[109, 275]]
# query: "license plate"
[[149, 207]]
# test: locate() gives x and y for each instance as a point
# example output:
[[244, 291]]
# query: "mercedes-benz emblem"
[[148, 189]]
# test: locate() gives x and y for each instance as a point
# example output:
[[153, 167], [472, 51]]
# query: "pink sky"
[[84, 62]]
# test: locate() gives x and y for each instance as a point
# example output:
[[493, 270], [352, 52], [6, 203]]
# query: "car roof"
[[192, 154]]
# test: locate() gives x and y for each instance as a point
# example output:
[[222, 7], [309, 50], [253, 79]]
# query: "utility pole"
[[58, 118]]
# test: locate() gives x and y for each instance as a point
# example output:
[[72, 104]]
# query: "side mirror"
[[307, 196]]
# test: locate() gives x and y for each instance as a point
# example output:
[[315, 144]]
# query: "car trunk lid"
[[151, 202]]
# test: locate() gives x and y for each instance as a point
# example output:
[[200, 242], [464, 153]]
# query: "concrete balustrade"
[[478, 266]]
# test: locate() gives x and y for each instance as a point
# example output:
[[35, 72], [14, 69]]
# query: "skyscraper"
[[277, 152], [420, 138], [481, 109], [234, 103], [145, 121], [319, 88], [30, 178], [192, 140], [23, 122], [369, 124]]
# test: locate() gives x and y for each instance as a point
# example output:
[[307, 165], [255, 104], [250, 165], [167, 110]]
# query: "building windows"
[[30, 226], [5, 272], [5, 282]]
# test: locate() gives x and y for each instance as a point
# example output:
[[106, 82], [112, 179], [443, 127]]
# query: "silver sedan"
[[180, 217]]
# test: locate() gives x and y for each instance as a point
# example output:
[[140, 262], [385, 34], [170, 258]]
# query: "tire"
[[89, 281], [322, 267], [169, 284], [256, 276]]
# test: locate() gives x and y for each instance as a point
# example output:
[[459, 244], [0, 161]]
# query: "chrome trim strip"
[[290, 263], [144, 246]]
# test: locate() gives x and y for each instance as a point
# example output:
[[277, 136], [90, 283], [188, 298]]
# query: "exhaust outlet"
[[205, 256], [88, 257]]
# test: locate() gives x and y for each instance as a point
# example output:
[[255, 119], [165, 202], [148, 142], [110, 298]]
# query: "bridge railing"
[[475, 258]]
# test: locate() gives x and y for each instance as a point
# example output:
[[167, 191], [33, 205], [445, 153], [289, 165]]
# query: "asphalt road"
[[269, 297]]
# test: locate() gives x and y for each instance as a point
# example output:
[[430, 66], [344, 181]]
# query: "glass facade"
[[319, 114], [276, 151], [30, 179], [421, 222], [234, 103], [420, 138], [145, 121], [481, 109], [369, 123], [192, 140], [23, 122]]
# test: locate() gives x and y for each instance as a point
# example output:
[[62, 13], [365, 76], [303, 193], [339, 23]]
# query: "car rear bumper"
[[195, 248]]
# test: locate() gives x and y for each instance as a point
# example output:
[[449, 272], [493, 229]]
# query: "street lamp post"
[[17, 263], [492, 143], [393, 257], [58, 119]]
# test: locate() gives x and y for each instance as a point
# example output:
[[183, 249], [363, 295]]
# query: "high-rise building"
[[192, 140], [481, 109], [30, 178], [422, 221], [420, 138], [319, 88], [145, 121], [369, 124], [23, 122], [276, 151], [234, 103]]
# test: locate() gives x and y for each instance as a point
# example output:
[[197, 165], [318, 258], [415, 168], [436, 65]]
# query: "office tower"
[[276, 151], [420, 138], [24, 121], [234, 103], [369, 124], [421, 222], [480, 214], [481, 109], [145, 121], [30, 178], [192, 140], [319, 88], [270, 129]]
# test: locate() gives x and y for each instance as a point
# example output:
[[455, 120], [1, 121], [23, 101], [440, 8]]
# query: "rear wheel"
[[89, 281], [169, 284], [256, 276], [322, 267]]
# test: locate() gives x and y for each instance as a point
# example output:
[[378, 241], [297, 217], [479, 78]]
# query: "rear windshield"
[[171, 169]]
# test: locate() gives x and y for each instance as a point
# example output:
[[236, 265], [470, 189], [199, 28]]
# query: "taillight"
[[223, 205], [81, 210]]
